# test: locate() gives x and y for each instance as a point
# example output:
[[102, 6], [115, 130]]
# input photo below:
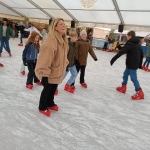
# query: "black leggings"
[[47, 96], [31, 74], [82, 74]]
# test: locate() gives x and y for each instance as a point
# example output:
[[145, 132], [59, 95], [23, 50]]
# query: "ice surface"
[[96, 118]]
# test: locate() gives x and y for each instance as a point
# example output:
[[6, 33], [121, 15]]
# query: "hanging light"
[[88, 4]]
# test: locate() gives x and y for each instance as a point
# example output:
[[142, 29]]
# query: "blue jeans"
[[4, 43], [147, 61], [21, 36], [74, 74], [133, 75]]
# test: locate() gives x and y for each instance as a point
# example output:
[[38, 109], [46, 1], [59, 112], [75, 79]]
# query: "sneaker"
[[138, 96], [84, 85], [122, 89], [55, 107], [39, 83], [29, 86], [45, 112], [23, 73]]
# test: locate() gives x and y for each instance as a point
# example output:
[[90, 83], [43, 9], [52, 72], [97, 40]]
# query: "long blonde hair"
[[52, 30]]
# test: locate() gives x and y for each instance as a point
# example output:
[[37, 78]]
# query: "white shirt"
[[4, 31], [33, 29]]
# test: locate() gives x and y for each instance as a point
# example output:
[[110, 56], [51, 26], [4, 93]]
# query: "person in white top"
[[44, 34], [33, 29]]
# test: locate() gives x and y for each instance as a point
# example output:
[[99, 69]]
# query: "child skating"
[[83, 48], [133, 61], [29, 58], [147, 61], [72, 58]]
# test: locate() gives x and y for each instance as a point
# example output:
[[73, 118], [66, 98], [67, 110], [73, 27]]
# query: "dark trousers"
[[105, 45], [21, 36], [31, 74], [82, 73], [47, 96]]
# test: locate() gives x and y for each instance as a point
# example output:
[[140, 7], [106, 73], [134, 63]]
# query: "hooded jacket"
[[134, 54]]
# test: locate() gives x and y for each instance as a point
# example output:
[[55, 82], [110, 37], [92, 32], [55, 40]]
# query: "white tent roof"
[[129, 12]]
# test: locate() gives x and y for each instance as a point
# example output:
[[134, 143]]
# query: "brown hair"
[[73, 34], [32, 38], [131, 33]]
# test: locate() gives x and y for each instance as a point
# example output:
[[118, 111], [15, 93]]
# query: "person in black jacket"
[[133, 61], [22, 32]]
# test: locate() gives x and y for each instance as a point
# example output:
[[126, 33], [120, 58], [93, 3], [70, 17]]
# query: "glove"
[[44, 81], [25, 63], [96, 59], [111, 62], [77, 63]]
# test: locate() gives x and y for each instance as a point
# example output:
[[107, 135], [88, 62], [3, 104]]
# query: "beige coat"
[[52, 60]]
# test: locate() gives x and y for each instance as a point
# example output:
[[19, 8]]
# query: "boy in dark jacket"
[[22, 32], [133, 61], [5, 33]]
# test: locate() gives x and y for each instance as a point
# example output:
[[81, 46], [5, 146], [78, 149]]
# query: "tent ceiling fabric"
[[132, 12], [5, 10]]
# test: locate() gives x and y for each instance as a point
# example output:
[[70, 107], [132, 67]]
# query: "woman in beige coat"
[[51, 64]]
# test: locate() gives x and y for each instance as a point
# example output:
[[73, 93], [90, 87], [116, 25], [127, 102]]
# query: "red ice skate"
[[45, 112], [121, 89], [23, 73], [29, 86], [68, 88], [143, 67], [38, 83], [1, 65], [138, 96], [84, 85], [55, 107], [20, 44], [56, 92], [10, 55]]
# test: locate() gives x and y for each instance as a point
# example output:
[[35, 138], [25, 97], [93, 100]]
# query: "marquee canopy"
[[129, 12]]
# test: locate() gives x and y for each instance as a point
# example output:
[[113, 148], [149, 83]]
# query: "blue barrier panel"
[[98, 43]]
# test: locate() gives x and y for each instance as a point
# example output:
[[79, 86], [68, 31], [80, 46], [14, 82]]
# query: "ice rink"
[[96, 118]]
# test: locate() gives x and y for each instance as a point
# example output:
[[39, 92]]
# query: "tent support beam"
[[12, 9], [65, 10], [37, 6], [118, 11]]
